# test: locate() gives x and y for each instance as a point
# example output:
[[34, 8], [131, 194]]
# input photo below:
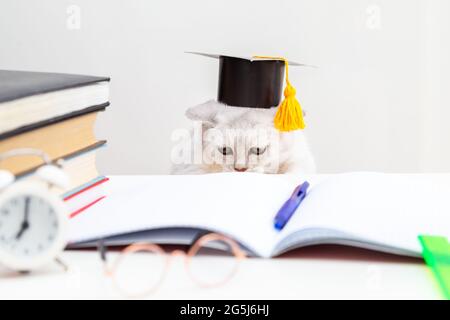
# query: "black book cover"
[[20, 84]]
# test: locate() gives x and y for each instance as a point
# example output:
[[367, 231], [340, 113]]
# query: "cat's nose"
[[240, 169]]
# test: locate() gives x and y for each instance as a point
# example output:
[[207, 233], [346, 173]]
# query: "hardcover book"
[[29, 100]]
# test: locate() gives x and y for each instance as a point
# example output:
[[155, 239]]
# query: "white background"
[[378, 101]]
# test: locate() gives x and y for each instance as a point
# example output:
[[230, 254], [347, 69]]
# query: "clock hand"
[[25, 224]]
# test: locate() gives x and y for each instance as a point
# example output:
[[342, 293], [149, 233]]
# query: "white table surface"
[[324, 272]]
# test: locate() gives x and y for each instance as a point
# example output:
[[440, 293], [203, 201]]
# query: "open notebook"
[[383, 212]]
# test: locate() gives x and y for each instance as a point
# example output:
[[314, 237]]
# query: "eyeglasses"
[[141, 268]]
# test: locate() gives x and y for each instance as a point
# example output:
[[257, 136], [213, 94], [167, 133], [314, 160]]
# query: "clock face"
[[29, 226]]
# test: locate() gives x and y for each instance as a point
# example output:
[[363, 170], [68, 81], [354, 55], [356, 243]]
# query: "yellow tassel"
[[289, 116]]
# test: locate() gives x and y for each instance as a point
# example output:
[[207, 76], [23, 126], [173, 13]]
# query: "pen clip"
[[300, 192]]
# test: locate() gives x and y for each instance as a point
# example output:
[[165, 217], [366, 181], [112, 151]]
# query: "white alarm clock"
[[33, 220]]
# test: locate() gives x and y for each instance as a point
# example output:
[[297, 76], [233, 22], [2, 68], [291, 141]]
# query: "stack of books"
[[54, 113]]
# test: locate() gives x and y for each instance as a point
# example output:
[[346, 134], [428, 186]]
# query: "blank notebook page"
[[389, 209], [240, 205]]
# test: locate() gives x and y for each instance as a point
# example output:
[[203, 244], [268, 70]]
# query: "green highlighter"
[[436, 252]]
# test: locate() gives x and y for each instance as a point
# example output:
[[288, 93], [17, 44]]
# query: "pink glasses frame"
[[237, 252]]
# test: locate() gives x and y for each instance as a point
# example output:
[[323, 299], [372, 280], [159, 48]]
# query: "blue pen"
[[290, 206]]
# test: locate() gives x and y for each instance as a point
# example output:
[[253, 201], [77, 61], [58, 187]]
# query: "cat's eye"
[[257, 151], [226, 151]]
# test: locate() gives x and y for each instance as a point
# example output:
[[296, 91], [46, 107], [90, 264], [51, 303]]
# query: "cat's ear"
[[266, 116], [205, 112]]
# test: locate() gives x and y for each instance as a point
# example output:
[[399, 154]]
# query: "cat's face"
[[227, 148], [238, 139]]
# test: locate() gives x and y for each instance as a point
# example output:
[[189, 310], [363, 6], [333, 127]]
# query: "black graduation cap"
[[257, 82]]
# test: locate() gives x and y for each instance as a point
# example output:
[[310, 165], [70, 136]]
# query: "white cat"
[[244, 140]]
